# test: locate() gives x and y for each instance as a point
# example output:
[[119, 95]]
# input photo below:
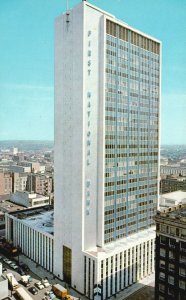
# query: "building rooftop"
[[7, 206], [122, 244], [177, 195], [41, 218], [176, 213]]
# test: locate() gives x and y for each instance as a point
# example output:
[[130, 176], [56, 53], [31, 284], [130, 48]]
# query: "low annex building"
[[32, 231]]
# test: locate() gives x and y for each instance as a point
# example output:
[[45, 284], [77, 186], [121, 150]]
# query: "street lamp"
[[11, 285]]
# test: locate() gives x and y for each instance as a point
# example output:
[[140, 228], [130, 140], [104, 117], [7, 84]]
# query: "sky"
[[27, 62]]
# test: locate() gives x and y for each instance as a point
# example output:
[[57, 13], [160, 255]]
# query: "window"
[[171, 254], [183, 233], [171, 267], [171, 280], [161, 287], [163, 228], [173, 230], [162, 239], [162, 252], [182, 258], [183, 246], [182, 284], [171, 291], [162, 275], [162, 264], [182, 271]]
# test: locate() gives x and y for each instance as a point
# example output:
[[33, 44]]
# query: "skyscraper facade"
[[107, 99]]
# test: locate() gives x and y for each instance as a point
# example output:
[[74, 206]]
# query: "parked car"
[[9, 262], [14, 266], [33, 290], [52, 295], [24, 267], [39, 285], [4, 270], [45, 282]]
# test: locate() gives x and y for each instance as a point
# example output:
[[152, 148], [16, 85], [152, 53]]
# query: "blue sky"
[[27, 60]]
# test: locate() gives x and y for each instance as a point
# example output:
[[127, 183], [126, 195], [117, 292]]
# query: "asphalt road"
[[35, 278]]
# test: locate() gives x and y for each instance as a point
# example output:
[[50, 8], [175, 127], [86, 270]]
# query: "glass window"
[[163, 228], [162, 264], [182, 284], [171, 267], [182, 271], [162, 252], [182, 258], [173, 230], [162, 239], [183, 233], [162, 275], [171, 279], [171, 291], [161, 287], [171, 254]]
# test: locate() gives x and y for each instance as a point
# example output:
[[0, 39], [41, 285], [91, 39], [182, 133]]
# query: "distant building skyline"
[[26, 58]]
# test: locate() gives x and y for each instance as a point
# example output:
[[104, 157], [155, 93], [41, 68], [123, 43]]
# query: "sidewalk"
[[40, 273], [135, 288]]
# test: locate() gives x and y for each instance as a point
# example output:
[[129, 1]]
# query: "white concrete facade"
[[34, 242], [173, 170], [3, 285], [133, 257], [79, 160], [29, 199]]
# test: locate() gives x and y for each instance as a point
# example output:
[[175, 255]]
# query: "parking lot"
[[8, 268]]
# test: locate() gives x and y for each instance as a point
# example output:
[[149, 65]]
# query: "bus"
[[22, 294]]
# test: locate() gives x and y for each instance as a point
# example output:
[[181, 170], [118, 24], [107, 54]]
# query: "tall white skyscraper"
[[107, 98]]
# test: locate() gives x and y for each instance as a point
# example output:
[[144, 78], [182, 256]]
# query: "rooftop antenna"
[[67, 5], [67, 13]]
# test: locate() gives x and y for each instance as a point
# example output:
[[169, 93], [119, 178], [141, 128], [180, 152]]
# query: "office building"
[[107, 97], [19, 181], [5, 183], [171, 253], [40, 183], [176, 169], [172, 183]]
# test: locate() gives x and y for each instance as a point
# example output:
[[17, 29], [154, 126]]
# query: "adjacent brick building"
[[171, 184], [170, 282], [5, 183], [40, 183]]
